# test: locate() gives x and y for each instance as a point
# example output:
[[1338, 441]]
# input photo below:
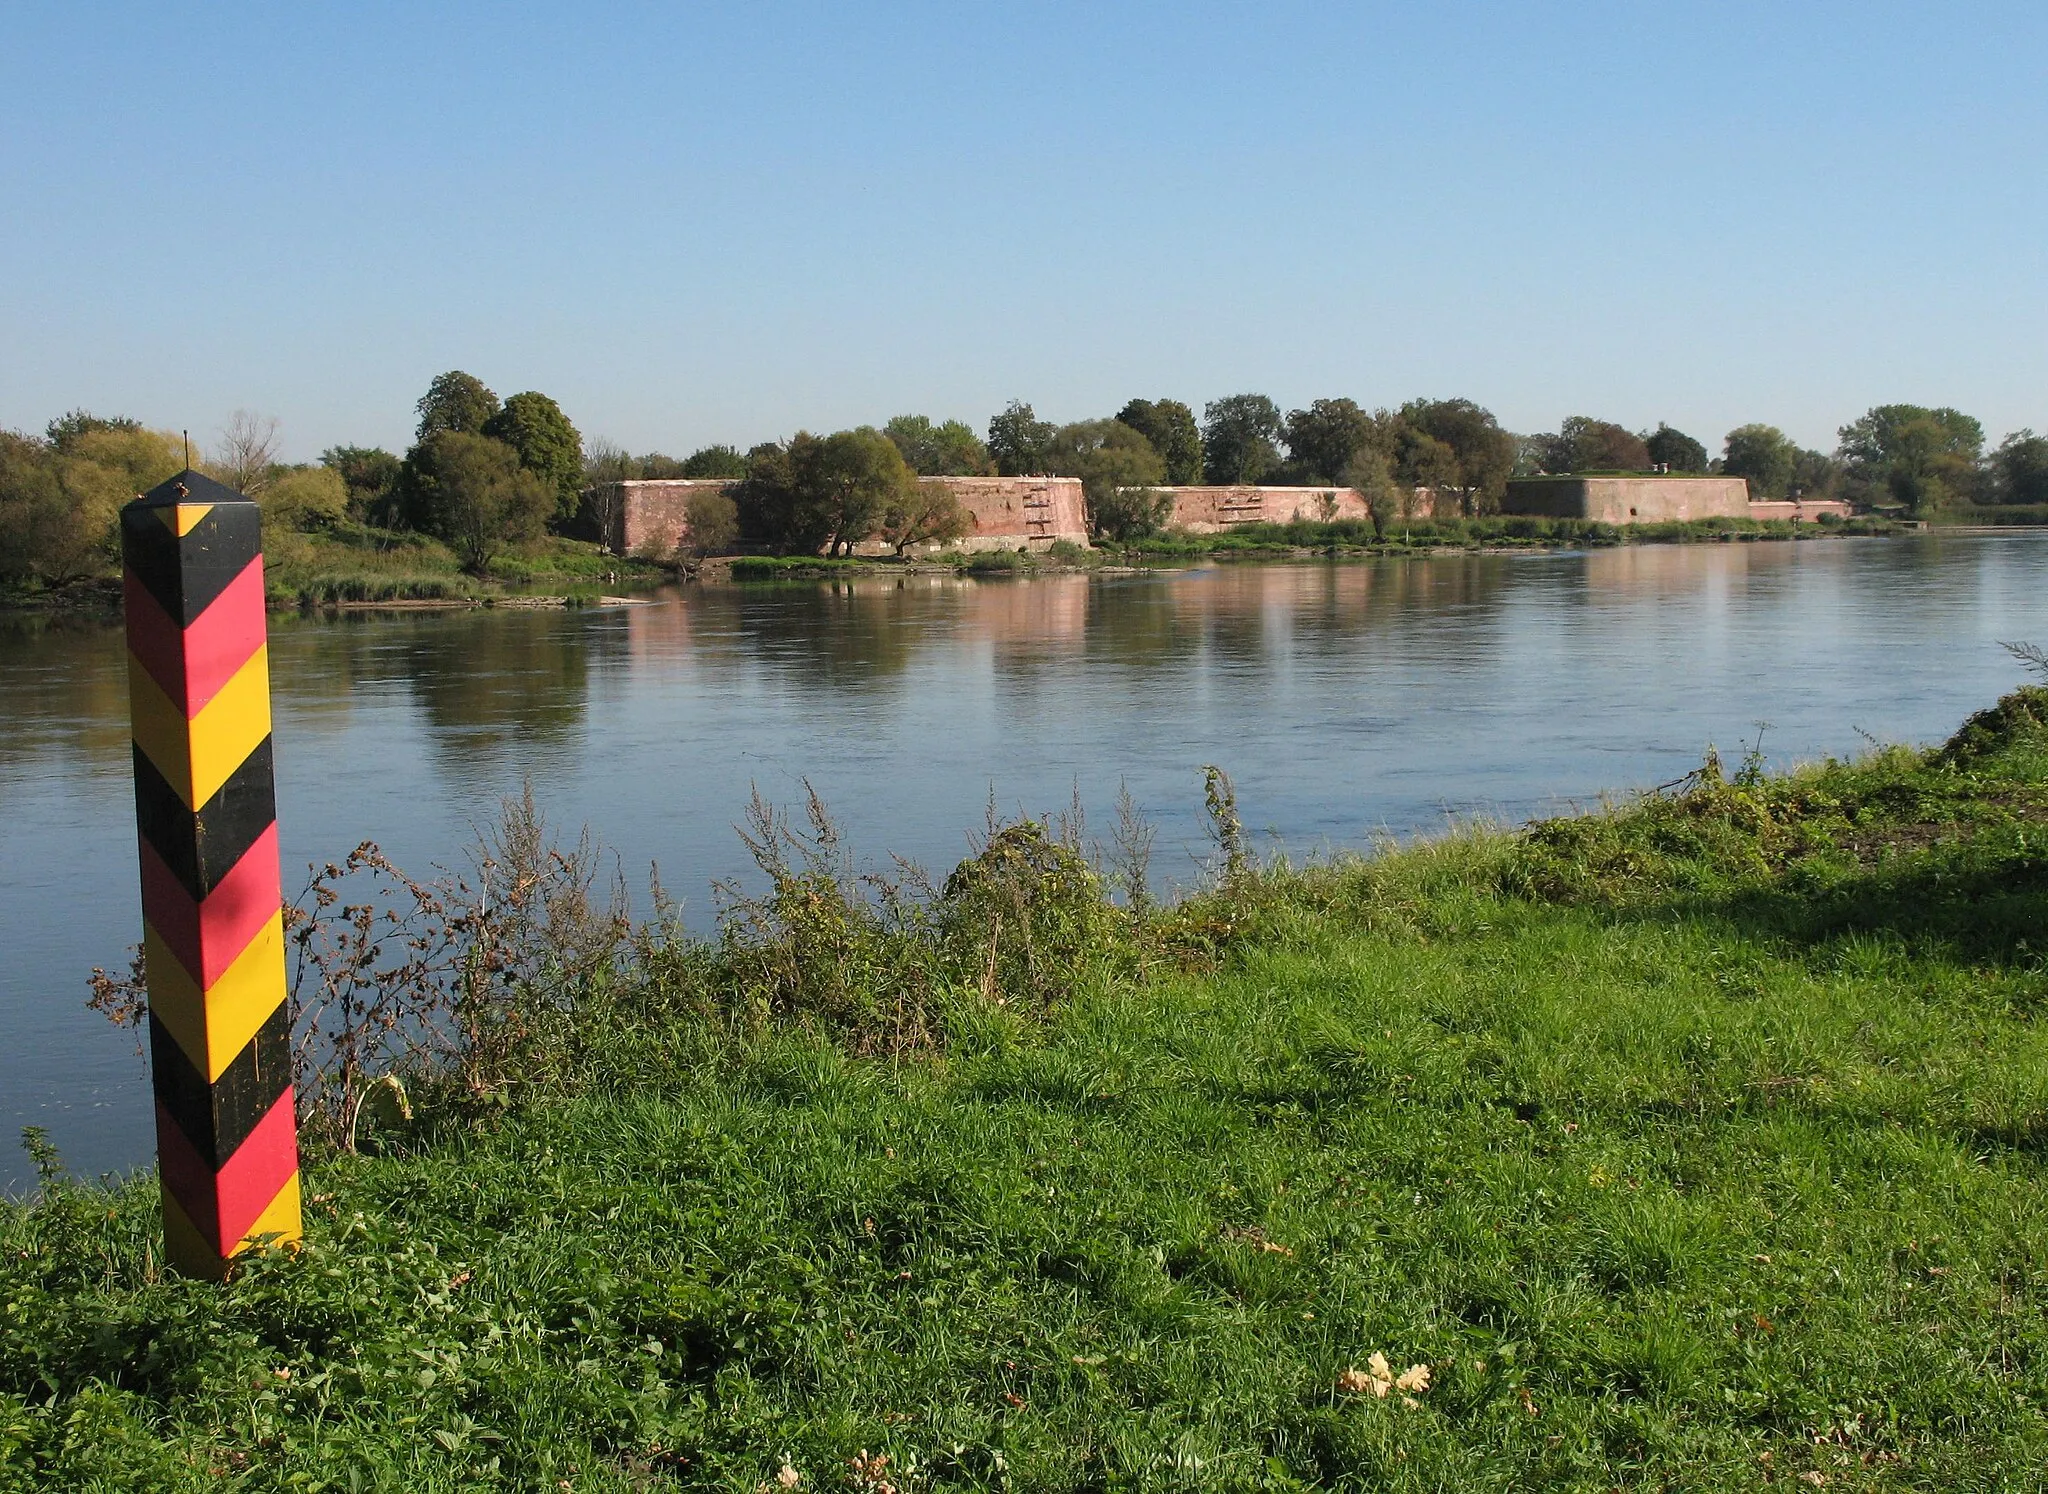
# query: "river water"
[[1347, 701]]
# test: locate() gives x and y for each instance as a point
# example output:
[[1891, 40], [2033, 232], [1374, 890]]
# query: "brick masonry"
[[1628, 500], [1008, 512]]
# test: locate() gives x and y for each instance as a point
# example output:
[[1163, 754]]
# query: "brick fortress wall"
[[1628, 500], [1211, 510], [1008, 512]]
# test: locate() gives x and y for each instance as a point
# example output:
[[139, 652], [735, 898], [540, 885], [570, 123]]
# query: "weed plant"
[[1696, 1143]]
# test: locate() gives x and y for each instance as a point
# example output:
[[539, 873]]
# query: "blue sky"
[[703, 223]]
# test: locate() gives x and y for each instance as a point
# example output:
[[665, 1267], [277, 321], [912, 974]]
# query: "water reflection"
[[1345, 699]]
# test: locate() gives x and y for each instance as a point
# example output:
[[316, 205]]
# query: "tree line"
[[484, 474]]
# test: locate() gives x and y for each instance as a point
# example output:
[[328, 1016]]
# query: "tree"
[[1018, 441], [68, 427], [821, 492], [714, 461], [1763, 454], [1426, 462], [712, 522], [1240, 433], [60, 499], [2019, 469], [1120, 472], [948, 450], [1483, 452], [1170, 426], [304, 498], [246, 453], [926, 513], [1814, 474], [1369, 474], [1675, 450], [474, 494], [1323, 440], [371, 476], [548, 445], [455, 401], [1923, 458], [1583, 444], [44, 534]]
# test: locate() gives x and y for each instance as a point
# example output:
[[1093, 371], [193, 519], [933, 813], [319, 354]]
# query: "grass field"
[[1693, 1145]]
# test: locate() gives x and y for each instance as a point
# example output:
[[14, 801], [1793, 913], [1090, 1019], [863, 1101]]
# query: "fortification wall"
[[1014, 512], [624, 516], [1211, 510], [1008, 512], [1798, 510], [1628, 500]]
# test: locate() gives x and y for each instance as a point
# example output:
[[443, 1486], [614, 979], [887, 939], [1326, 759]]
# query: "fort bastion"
[[1008, 513]]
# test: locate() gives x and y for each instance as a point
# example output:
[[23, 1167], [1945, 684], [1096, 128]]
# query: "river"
[[1348, 701]]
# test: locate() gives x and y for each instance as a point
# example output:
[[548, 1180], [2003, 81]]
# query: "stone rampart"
[[1211, 510], [1798, 510], [1628, 500], [1019, 512], [1008, 512], [651, 513]]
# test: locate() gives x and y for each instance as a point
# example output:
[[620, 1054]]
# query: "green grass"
[[796, 567], [1497, 532], [1697, 1144]]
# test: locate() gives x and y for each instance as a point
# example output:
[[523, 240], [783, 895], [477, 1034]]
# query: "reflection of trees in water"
[[482, 682], [839, 636], [65, 684]]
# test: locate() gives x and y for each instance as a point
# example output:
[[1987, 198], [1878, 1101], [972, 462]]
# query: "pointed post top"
[[189, 486]]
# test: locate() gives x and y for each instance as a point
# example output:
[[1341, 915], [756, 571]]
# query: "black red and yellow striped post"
[[206, 816]]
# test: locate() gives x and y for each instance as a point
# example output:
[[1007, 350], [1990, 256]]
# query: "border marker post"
[[206, 821]]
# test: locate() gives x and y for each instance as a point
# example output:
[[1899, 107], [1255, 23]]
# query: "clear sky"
[[697, 223]]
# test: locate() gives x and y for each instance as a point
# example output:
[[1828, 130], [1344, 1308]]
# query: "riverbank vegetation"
[[1696, 1142], [495, 485]]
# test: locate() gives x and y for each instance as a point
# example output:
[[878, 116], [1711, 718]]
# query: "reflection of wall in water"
[[485, 682]]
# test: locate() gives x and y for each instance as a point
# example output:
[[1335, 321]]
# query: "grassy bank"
[[355, 563], [1498, 532], [1693, 1145]]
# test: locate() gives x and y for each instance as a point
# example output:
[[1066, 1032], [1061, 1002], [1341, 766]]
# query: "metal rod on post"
[[206, 817]]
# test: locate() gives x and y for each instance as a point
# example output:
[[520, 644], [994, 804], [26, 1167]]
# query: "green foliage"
[[948, 450], [2019, 469], [1764, 455], [1324, 440], [1455, 444], [790, 567], [998, 563], [1239, 436], [1019, 443], [64, 432], [925, 513], [304, 498], [548, 445], [1119, 470], [1924, 459], [1170, 426], [455, 402], [1691, 1144], [1583, 444], [60, 499], [713, 461], [712, 522], [825, 493], [472, 492], [1675, 449], [372, 476]]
